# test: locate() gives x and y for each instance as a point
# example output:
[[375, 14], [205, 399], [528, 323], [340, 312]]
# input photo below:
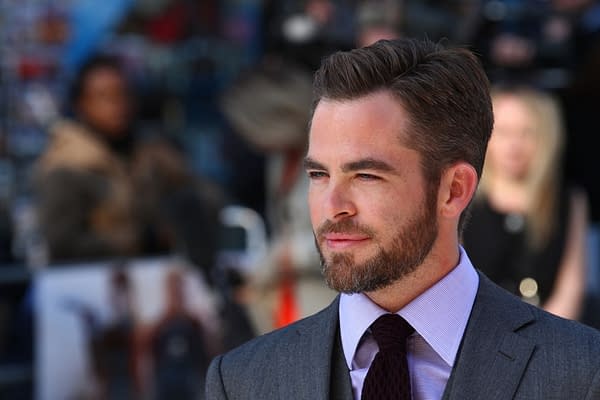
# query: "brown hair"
[[445, 91]]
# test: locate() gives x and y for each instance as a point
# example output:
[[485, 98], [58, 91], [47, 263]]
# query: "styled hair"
[[544, 176], [444, 90]]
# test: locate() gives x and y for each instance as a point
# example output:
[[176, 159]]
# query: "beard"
[[409, 248]]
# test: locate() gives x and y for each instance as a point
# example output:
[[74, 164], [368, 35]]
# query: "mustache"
[[344, 226]]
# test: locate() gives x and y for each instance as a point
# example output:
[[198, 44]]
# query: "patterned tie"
[[388, 376]]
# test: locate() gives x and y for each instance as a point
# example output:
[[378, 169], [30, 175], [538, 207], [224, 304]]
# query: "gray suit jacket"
[[510, 350]]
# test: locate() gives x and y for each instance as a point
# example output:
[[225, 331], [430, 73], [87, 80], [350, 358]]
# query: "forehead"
[[373, 125], [101, 76], [513, 112]]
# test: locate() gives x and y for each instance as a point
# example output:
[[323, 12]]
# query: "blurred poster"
[[144, 329]]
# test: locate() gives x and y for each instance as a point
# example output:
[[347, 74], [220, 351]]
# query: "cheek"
[[314, 208], [393, 209], [530, 148], [381, 210]]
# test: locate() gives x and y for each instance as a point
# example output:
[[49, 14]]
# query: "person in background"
[[109, 342], [269, 107], [84, 194], [105, 189], [177, 347], [112, 347], [527, 229]]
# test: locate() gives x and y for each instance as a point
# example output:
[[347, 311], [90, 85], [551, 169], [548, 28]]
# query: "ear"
[[457, 187]]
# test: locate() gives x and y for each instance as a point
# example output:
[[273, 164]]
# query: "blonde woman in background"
[[527, 228]]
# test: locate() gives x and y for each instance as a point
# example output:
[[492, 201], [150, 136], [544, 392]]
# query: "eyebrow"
[[309, 163], [362, 164], [367, 163]]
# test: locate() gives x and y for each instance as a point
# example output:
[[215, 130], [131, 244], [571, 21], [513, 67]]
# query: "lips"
[[344, 240]]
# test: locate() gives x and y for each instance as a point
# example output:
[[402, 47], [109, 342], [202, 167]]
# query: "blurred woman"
[[84, 194], [105, 189], [527, 228]]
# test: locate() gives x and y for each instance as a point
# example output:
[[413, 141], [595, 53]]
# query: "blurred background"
[[152, 195]]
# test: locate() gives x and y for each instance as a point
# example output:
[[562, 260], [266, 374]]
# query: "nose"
[[338, 202]]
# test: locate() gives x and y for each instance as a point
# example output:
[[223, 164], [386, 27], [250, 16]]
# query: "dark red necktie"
[[388, 376]]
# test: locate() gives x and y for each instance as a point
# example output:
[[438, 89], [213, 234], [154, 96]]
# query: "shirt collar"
[[439, 315]]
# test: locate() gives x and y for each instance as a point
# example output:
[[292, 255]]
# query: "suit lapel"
[[317, 354], [492, 357]]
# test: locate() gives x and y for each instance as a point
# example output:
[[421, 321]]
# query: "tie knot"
[[391, 330]]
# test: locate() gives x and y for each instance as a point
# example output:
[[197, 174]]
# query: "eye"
[[316, 174], [367, 177]]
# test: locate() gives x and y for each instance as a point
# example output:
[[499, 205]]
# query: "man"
[[396, 147]]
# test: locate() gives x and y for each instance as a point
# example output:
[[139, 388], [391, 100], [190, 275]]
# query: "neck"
[[119, 144], [442, 259]]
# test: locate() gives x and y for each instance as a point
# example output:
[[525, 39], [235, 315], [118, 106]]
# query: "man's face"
[[373, 216]]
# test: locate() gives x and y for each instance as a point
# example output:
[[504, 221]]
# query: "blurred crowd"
[[145, 129]]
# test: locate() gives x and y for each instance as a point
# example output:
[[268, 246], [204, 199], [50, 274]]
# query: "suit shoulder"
[[566, 331], [529, 320], [555, 339], [279, 343], [275, 365]]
